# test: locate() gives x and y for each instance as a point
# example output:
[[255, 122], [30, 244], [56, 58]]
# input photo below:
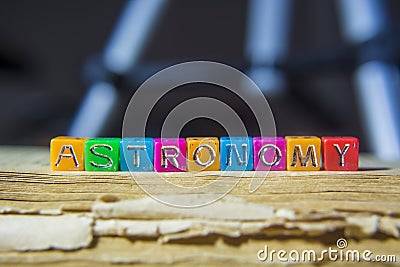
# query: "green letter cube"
[[102, 154]]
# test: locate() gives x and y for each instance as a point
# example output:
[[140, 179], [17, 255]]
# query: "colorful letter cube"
[[236, 154], [303, 153], [136, 154], [169, 154], [67, 153], [102, 154], [269, 153], [203, 153], [340, 153]]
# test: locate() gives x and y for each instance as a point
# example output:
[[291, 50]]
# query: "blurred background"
[[326, 67]]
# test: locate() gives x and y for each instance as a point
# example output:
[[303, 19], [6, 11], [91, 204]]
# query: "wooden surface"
[[91, 218]]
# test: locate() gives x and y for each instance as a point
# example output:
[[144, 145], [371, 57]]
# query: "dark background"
[[46, 44]]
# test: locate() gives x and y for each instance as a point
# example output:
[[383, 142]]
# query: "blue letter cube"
[[136, 154], [236, 153]]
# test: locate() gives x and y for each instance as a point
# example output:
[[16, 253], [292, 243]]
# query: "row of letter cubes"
[[293, 153]]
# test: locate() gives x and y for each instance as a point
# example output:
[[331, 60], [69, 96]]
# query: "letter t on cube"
[[136, 154]]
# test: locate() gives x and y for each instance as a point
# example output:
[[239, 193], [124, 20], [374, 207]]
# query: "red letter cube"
[[340, 153]]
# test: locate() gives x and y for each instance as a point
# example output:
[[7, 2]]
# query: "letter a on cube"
[[67, 153]]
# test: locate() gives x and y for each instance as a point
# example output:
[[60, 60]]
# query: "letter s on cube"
[[340, 153], [67, 153], [169, 154], [303, 153], [102, 154]]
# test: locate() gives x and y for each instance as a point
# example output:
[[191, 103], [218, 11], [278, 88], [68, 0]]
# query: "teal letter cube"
[[136, 154], [236, 153], [102, 154]]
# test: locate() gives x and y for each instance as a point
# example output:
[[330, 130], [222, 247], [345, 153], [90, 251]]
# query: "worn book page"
[[90, 218]]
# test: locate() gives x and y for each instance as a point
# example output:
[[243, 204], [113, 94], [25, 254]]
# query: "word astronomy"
[[292, 153]]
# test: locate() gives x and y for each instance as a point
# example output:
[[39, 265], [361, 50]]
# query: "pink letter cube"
[[170, 154], [269, 153]]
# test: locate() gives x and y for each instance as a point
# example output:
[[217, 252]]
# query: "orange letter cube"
[[67, 153], [303, 153], [202, 153]]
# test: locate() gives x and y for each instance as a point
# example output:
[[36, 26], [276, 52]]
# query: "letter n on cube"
[[236, 153]]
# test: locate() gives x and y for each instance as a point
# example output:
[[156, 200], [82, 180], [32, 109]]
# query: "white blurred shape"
[[94, 110], [267, 41], [361, 20], [131, 33], [378, 86]]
